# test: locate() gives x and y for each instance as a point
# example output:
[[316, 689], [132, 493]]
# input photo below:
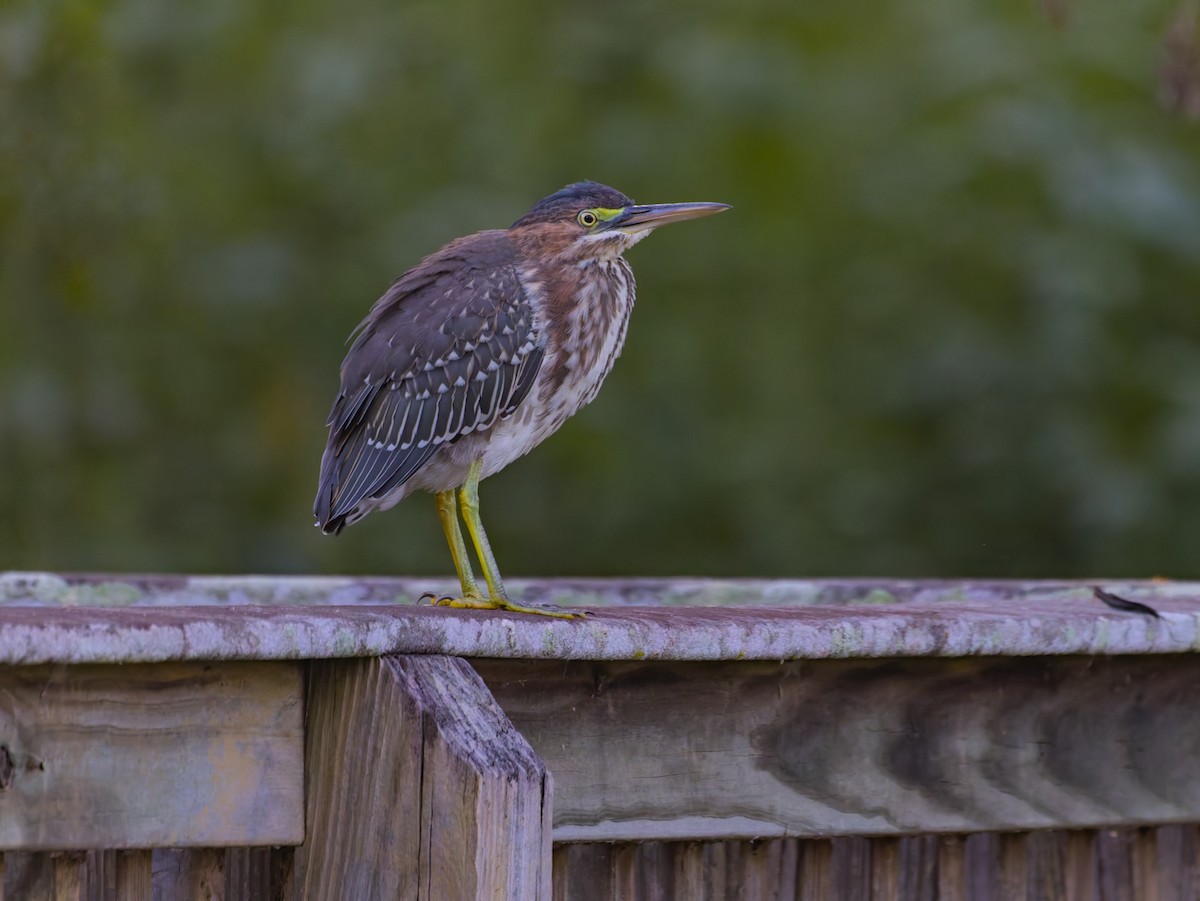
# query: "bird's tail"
[[323, 505]]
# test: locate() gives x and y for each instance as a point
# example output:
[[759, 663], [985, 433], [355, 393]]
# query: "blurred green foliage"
[[951, 327]]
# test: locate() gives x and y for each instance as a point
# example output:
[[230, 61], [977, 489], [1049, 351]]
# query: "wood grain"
[[975, 867], [68, 881], [258, 874], [951, 868], [134, 875], [419, 787], [363, 784], [919, 867], [120, 619], [193, 874], [486, 796], [747, 750], [1178, 865], [816, 869], [150, 755]]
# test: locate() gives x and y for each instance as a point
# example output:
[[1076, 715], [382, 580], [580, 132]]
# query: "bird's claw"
[[435, 599], [482, 603]]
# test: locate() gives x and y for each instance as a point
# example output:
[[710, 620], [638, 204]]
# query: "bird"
[[474, 357]]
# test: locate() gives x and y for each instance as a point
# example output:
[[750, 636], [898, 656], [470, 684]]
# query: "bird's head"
[[588, 220]]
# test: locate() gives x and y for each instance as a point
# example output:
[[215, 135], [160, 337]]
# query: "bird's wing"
[[450, 349]]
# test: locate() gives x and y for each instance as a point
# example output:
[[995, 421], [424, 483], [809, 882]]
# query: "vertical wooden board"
[[981, 854], [919, 868], [688, 873], [559, 881], [1081, 865], [188, 874], [419, 787], [767, 871], [259, 874], [1144, 864], [788, 869], [247, 874], [283, 874], [733, 854], [68, 876], [952, 868], [816, 870], [657, 870], [28, 876], [134, 875], [588, 872], [717, 875], [1114, 869], [1011, 875], [363, 784], [885, 870], [852, 868], [100, 875], [624, 861], [1045, 861], [486, 796], [1178, 850], [150, 755]]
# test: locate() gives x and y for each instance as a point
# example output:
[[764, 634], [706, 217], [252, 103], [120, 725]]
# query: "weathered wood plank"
[[259, 874], [134, 876], [919, 868], [1178, 861], [486, 796], [247, 874], [48, 589], [68, 876], [1045, 861], [770, 868], [885, 870], [1144, 863], [847, 868], [816, 869], [191, 874], [733, 750], [952, 868], [851, 867], [145, 756], [860, 619], [419, 787], [1114, 871], [43, 876], [583, 872], [1080, 877], [363, 784], [100, 875]]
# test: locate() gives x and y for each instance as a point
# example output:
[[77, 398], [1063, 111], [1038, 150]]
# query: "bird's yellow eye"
[[587, 218]]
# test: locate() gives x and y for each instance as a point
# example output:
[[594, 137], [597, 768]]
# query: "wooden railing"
[[175, 737]]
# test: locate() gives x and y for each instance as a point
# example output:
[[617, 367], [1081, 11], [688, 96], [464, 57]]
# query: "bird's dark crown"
[[566, 202]]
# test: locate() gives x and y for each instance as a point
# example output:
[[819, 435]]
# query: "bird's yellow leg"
[[448, 514], [468, 498]]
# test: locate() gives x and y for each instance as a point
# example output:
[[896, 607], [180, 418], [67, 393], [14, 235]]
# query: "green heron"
[[477, 355]]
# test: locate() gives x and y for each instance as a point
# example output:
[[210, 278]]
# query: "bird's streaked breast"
[[585, 322]]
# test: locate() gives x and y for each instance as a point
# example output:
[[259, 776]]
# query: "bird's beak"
[[645, 217]]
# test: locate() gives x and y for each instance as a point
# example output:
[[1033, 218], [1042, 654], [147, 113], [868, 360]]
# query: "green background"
[[950, 328]]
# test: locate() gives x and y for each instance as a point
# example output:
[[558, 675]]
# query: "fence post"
[[419, 786]]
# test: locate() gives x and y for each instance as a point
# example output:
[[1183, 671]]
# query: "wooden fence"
[[174, 737]]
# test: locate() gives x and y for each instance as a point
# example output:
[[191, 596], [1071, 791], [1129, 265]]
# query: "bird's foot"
[[482, 603]]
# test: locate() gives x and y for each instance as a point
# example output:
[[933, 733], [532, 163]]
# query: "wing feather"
[[410, 380]]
